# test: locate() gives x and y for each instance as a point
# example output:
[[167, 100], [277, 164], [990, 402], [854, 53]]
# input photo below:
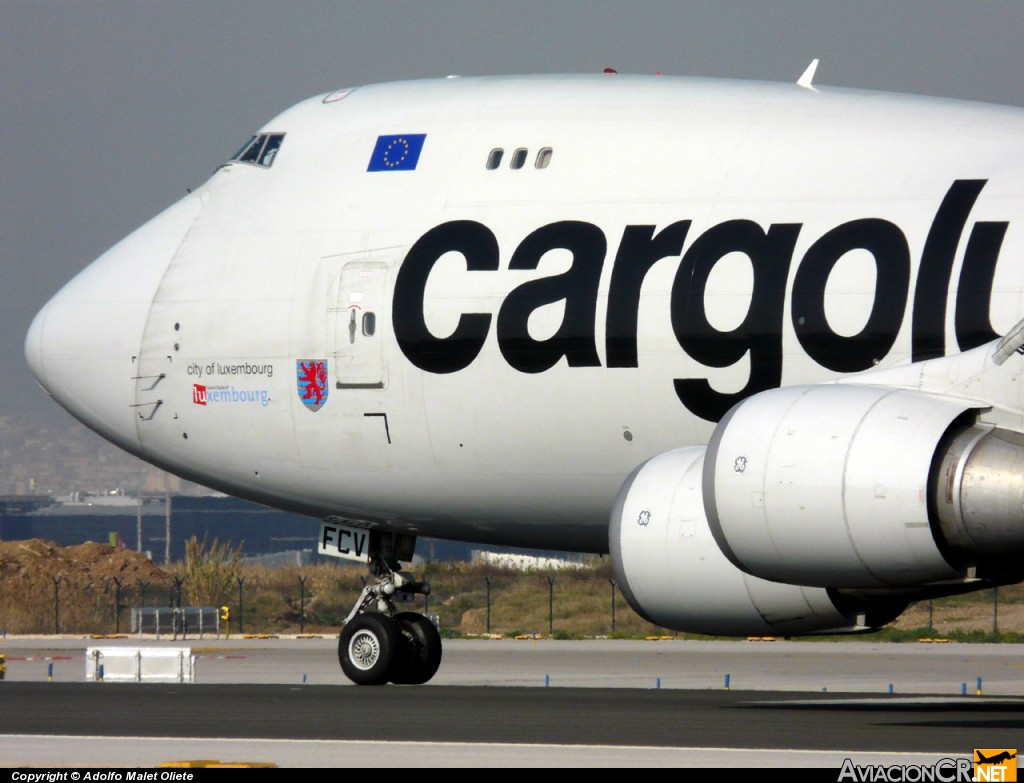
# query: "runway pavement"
[[790, 704]]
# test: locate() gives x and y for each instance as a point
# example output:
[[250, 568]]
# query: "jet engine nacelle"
[[828, 485], [862, 487], [672, 572]]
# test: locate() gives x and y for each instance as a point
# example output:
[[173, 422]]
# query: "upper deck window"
[[260, 150], [494, 159]]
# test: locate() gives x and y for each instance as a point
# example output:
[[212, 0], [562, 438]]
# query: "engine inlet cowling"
[[829, 486], [672, 572]]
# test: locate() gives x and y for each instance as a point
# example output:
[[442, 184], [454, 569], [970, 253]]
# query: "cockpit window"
[[270, 148], [252, 154], [243, 148], [260, 150]]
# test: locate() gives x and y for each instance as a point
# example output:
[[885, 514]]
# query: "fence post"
[[551, 606], [487, 579], [612, 583], [117, 603], [302, 603], [241, 605], [56, 603], [143, 584]]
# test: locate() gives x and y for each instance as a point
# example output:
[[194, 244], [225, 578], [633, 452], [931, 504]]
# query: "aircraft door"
[[359, 314]]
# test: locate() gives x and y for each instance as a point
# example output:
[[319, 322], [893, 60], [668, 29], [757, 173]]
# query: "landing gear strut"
[[379, 644]]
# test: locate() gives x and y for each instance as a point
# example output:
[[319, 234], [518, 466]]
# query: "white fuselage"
[[536, 333]]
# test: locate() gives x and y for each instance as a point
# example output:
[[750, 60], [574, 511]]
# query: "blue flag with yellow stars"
[[397, 153]]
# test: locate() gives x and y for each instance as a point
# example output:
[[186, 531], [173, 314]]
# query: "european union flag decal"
[[397, 153]]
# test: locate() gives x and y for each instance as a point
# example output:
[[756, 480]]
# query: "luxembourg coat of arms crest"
[[311, 379]]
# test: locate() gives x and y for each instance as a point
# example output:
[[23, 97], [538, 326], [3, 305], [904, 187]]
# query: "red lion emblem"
[[312, 382]]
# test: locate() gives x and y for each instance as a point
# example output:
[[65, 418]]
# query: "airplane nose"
[[82, 344], [34, 346]]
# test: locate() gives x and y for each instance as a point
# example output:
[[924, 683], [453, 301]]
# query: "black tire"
[[369, 647], [424, 650]]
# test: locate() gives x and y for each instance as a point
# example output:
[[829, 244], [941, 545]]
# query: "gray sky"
[[110, 110]]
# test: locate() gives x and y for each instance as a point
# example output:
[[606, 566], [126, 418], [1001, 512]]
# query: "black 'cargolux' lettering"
[[639, 250], [577, 287], [758, 337], [760, 334], [456, 352], [928, 335], [974, 292], [888, 246]]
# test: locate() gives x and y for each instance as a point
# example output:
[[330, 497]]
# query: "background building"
[[142, 522]]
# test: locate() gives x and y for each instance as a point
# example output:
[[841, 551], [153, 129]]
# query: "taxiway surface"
[[809, 704]]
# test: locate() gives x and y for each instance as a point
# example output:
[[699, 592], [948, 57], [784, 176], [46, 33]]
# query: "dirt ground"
[[973, 617], [86, 562]]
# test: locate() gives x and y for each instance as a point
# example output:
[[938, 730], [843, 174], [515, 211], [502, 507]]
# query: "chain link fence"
[[468, 600]]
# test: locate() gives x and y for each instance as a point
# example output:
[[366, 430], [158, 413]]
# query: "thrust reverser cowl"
[[864, 487], [828, 485]]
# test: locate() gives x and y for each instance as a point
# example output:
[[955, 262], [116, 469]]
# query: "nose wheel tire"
[[425, 650], [370, 647]]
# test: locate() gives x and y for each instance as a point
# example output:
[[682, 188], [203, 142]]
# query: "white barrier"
[[140, 664]]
